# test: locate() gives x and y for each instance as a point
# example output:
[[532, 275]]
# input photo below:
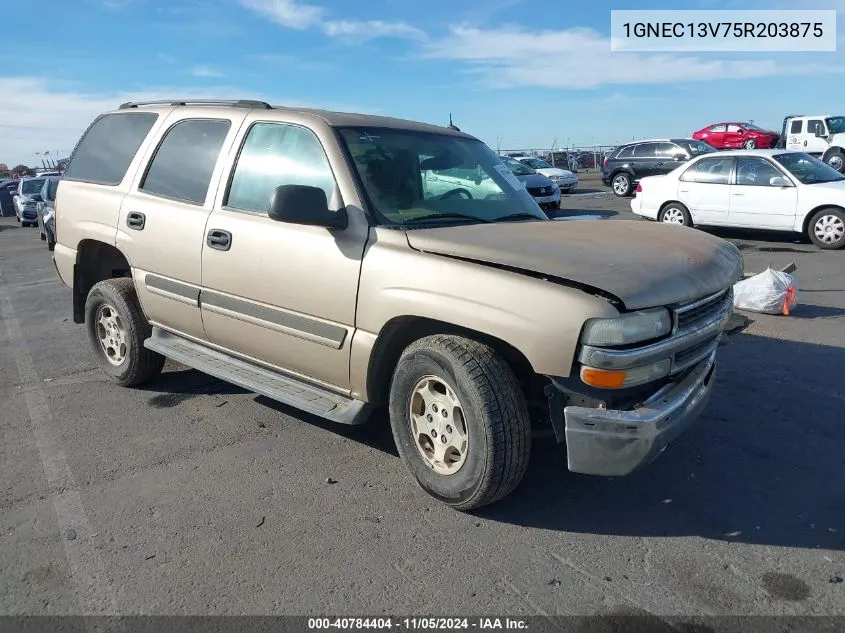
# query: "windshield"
[[30, 187], [516, 167], [807, 169], [697, 147], [836, 124], [412, 176], [536, 163]]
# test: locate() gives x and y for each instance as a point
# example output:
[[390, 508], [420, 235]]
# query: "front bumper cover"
[[617, 443]]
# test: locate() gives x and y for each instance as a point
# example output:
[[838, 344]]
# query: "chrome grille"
[[689, 315], [692, 355]]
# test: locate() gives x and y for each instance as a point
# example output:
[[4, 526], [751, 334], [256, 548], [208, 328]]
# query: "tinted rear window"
[[106, 150], [185, 160]]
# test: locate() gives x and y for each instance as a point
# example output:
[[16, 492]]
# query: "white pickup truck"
[[822, 136]]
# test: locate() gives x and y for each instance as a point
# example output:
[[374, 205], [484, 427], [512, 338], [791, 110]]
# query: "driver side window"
[[276, 154]]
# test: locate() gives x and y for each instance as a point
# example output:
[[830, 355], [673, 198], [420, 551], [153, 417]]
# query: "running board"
[[296, 393]]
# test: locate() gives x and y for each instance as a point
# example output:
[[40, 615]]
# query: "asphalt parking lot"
[[191, 496]]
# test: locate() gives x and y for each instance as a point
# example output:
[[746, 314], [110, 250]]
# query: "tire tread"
[[509, 435]]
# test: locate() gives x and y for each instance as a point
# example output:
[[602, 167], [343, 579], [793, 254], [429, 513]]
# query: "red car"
[[737, 136]]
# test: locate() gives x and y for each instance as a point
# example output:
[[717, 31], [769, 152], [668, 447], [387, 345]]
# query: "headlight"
[[632, 327]]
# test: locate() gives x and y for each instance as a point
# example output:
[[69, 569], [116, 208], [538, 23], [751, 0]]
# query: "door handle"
[[219, 239], [737, 194], [136, 220], [805, 143], [658, 164]]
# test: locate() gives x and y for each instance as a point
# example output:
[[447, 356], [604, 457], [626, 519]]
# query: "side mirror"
[[302, 204], [779, 181], [820, 133]]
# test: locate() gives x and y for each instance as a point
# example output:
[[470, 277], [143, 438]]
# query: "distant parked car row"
[[33, 200]]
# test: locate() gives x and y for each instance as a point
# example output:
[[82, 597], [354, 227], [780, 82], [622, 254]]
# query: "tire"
[[621, 184], [750, 144], [836, 159], [117, 298], [496, 428], [675, 213], [827, 229]]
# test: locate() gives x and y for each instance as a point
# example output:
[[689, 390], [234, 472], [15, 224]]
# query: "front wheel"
[[117, 330], [621, 185], [827, 229], [460, 421]]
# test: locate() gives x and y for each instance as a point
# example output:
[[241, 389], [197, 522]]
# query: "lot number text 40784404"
[[417, 623]]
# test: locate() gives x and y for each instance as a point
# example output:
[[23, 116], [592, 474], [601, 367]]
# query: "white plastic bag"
[[770, 292]]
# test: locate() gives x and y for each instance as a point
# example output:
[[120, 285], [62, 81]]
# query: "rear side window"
[[718, 128], [795, 126], [184, 161], [626, 152], [106, 150], [646, 150], [713, 171]]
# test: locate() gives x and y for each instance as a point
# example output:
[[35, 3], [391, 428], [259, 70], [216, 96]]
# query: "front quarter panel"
[[541, 319]]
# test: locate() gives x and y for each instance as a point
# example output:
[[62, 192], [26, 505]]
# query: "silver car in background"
[[46, 211], [26, 197]]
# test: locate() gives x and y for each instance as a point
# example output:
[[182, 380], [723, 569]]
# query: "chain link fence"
[[574, 158]]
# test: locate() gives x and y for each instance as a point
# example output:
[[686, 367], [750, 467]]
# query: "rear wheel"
[[750, 144], [621, 185], [117, 330], [460, 421], [827, 229], [675, 213]]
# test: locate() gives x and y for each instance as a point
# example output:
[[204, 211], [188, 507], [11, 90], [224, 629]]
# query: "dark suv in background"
[[624, 166]]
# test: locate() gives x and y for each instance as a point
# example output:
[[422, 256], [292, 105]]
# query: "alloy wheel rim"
[[620, 184], [111, 334], [438, 426], [829, 229]]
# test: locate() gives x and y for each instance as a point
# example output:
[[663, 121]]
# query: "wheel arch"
[[805, 226], [401, 331], [96, 261]]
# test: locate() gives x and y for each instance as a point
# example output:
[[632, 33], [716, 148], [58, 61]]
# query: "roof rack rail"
[[234, 103]]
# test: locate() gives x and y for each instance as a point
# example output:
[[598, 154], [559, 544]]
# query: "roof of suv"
[[334, 119]]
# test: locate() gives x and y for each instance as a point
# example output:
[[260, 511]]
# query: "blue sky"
[[519, 73]]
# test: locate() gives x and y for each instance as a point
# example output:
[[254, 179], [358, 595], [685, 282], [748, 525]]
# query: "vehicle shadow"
[[763, 465], [375, 433], [808, 311], [578, 190], [178, 384], [745, 239]]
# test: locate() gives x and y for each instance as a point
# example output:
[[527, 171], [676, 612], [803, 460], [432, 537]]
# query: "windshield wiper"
[[444, 216], [517, 216]]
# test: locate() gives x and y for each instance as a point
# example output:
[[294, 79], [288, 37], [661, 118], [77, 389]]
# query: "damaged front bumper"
[[616, 443]]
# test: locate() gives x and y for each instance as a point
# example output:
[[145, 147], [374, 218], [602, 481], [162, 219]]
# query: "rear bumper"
[[617, 443]]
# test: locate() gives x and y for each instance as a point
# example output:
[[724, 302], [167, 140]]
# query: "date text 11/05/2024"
[[417, 623], [680, 30]]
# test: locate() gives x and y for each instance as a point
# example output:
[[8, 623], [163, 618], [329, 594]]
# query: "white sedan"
[[565, 179], [776, 190]]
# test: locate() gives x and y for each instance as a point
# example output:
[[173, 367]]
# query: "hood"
[[554, 171], [834, 188], [535, 180], [643, 264]]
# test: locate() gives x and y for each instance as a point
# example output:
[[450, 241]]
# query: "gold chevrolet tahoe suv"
[[340, 263]]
